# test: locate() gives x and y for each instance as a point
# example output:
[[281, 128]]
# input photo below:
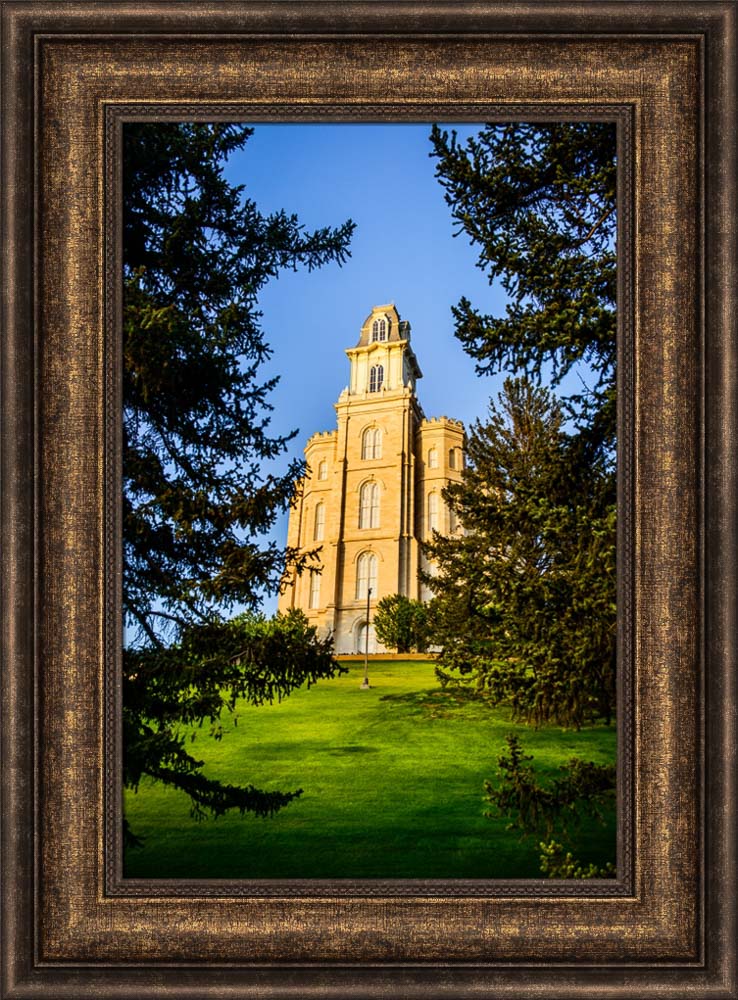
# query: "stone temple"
[[373, 489]]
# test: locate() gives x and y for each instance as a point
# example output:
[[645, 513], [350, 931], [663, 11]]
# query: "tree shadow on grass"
[[437, 703]]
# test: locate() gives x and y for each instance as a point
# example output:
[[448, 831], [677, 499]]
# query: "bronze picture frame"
[[666, 926]]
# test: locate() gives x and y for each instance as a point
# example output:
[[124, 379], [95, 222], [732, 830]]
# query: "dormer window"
[[376, 378], [379, 329]]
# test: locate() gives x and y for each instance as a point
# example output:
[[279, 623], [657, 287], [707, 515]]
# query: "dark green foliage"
[[197, 500], [536, 809], [582, 789], [538, 201], [526, 600], [198, 496], [525, 595], [557, 862], [168, 690], [401, 623]]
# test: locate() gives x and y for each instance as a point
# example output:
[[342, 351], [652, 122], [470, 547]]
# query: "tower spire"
[[383, 359]]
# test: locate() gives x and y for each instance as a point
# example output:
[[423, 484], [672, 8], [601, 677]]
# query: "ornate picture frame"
[[665, 72]]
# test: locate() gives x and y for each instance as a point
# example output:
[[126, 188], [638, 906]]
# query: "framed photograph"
[[481, 742], [390, 676]]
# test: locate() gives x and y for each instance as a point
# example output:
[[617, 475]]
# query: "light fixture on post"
[[365, 683]]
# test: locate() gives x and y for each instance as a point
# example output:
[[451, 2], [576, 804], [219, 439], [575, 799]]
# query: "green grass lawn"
[[392, 783]]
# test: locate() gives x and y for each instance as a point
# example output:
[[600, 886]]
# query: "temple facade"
[[373, 489]]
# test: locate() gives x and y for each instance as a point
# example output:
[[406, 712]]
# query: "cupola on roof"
[[396, 329]]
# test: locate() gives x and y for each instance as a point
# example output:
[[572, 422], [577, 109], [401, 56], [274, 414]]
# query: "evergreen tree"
[[538, 202], [526, 598], [197, 499], [198, 495], [581, 789], [525, 595], [169, 691]]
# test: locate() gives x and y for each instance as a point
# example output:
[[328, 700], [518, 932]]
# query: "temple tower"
[[373, 488]]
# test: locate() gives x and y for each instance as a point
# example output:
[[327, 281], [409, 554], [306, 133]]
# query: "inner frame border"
[[115, 116]]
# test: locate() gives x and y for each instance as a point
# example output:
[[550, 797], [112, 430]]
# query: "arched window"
[[432, 512], [323, 470], [433, 458], [376, 377], [366, 641], [453, 521], [369, 506], [371, 443], [429, 568], [379, 329], [319, 527], [366, 575], [452, 458], [314, 598]]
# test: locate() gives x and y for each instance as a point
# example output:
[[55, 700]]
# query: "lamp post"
[[365, 683]]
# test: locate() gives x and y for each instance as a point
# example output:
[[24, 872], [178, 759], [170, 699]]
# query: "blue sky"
[[403, 251]]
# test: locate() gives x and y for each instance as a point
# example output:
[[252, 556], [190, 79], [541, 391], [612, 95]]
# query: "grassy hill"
[[392, 781]]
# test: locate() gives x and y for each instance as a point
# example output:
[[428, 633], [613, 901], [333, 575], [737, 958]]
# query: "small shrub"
[[583, 789], [555, 863], [401, 623]]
